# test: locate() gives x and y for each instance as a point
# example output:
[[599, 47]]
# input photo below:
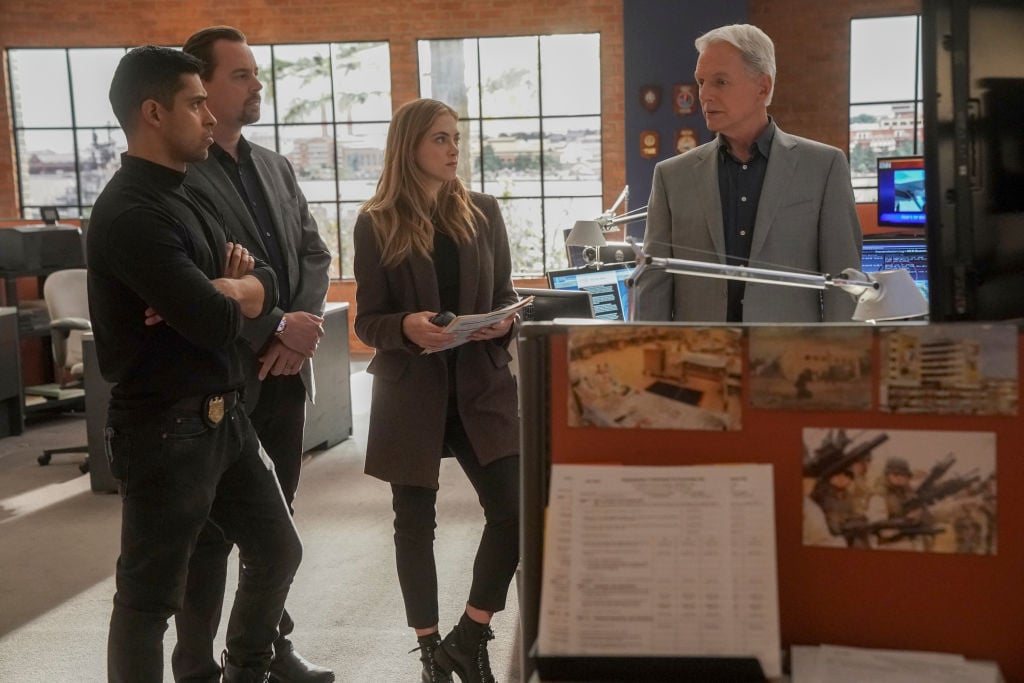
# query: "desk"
[[11, 418], [328, 421]]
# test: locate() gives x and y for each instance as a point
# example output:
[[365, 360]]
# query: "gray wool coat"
[[410, 390]]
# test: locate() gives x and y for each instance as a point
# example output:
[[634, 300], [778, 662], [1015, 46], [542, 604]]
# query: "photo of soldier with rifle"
[[916, 502]]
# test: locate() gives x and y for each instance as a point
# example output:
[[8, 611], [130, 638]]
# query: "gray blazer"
[[307, 257], [806, 221], [410, 390]]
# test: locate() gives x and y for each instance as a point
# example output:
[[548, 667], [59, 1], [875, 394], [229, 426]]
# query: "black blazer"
[[306, 254]]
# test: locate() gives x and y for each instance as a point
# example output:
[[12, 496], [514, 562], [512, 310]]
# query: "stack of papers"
[[835, 664]]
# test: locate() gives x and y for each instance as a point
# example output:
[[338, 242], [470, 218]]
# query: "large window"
[[325, 106], [530, 110], [885, 96]]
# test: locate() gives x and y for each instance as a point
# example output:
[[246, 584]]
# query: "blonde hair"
[[403, 208]]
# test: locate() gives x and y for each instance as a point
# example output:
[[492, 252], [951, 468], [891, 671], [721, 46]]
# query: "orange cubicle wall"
[[973, 605]]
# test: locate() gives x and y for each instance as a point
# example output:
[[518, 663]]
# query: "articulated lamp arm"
[[887, 295]]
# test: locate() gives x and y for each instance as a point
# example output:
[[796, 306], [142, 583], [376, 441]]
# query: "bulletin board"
[[967, 604]]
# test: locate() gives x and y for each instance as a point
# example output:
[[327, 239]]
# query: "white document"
[[465, 325], [661, 561], [836, 664]]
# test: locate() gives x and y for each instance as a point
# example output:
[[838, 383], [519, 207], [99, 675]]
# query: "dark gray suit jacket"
[[806, 221], [306, 255], [410, 390]]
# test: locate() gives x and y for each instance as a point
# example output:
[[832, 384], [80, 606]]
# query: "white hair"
[[756, 48]]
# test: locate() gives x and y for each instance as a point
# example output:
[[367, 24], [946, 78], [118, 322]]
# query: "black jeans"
[[278, 418], [177, 472], [497, 488]]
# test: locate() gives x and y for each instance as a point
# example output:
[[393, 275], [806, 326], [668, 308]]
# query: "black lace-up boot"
[[428, 645], [464, 652]]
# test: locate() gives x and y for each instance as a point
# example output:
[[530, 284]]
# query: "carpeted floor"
[[59, 543]]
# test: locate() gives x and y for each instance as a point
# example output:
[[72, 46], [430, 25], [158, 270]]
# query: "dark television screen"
[[549, 304], [901, 192], [973, 78]]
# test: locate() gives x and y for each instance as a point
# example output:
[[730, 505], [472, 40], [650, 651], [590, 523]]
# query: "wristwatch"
[[280, 326]]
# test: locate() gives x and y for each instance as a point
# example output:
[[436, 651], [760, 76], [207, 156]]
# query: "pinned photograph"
[[810, 368], [962, 369], [919, 491], [655, 377]]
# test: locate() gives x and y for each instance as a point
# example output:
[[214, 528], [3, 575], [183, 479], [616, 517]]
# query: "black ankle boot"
[[464, 652], [428, 645], [238, 674]]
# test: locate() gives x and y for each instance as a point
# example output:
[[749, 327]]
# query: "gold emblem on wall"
[[648, 144]]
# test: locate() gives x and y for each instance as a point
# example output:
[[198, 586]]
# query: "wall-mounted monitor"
[[908, 254], [607, 287], [549, 304], [901, 197]]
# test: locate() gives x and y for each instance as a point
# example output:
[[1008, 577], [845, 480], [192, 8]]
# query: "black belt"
[[212, 408]]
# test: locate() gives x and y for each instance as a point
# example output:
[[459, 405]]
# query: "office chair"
[[68, 305]]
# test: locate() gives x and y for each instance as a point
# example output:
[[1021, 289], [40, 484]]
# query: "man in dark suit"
[[265, 210], [753, 196]]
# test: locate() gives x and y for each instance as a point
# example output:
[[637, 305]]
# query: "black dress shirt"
[[247, 182], [739, 186], [446, 265], [153, 241]]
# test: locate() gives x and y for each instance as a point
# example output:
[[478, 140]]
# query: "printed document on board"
[[661, 561]]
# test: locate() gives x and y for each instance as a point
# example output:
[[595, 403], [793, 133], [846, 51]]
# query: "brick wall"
[[63, 23], [812, 53]]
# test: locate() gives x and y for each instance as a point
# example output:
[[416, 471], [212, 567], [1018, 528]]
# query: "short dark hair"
[[149, 72], [200, 46]]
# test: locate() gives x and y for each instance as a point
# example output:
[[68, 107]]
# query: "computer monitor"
[[901, 197], [549, 304], [895, 254], [607, 287]]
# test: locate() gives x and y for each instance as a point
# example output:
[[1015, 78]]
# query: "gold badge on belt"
[[215, 409]]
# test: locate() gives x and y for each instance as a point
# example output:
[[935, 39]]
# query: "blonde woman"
[[424, 244]]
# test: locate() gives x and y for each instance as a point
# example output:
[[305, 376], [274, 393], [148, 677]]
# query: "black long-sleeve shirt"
[[154, 242]]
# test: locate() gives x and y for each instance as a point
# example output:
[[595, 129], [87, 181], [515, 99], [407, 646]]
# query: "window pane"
[[311, 151], [326, 217], [302, 79], [883, 58], [571, 74], [512, 157], [362, 81], [99, 157], [880, 130], [349, 213], [261, 135], [523, 222], [508, 74], [47, 168], [471, 155], [264, 64], [360, 159], [559, 217], [39, 88], [91, 73], [448, 72], [572, 156]]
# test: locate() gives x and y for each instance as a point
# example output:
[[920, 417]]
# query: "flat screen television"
[[973, 82], [549, 304], [910, 254], [607, 287], [901, 192]]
